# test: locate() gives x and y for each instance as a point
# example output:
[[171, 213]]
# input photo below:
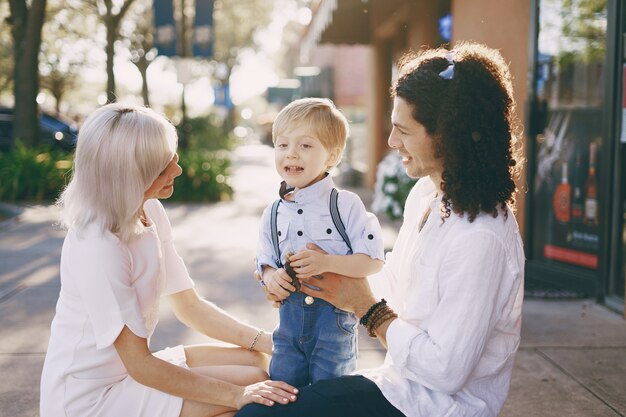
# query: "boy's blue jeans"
[[312, 342]]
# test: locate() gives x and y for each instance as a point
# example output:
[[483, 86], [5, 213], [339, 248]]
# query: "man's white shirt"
[[458, 288]]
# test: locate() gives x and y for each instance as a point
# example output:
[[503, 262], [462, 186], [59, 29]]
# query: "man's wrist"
[[362, 308]]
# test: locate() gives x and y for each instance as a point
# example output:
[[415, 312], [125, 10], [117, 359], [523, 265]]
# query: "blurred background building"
[[568, 67], [245, 59]]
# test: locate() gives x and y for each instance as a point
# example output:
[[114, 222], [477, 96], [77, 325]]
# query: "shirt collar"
[[314, 192], [430, 193]]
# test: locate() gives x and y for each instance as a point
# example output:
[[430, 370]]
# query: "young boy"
[[313, 340]]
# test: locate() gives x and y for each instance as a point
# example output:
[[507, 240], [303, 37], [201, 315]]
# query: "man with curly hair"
[[447, 304]]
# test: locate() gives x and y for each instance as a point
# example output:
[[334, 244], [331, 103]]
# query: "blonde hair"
[[121, 150], [320, 116]]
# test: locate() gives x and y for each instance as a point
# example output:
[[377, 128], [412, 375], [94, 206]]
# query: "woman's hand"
[[308, 263], [267, 393]]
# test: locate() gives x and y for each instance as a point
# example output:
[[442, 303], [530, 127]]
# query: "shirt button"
[[299, 232], [300, 211], [370, 237], [279, 233], [309, 300], [329, 231]]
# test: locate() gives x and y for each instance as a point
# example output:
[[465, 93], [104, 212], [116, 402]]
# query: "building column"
[[378, 117]]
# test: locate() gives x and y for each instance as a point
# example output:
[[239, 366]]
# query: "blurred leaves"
[[208, 133], [584, 31], [235, 24], [33, 174], [39, 174], [204, 176], [6, 50], [392, 187], [65, 47]]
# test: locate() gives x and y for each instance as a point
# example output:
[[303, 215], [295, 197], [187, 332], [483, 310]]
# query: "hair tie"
[[448, 73]]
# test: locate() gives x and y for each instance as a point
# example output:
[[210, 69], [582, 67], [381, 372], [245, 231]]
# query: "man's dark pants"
[[347, 396]]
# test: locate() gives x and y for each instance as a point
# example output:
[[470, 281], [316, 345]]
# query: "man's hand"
[[308, 263], [348, 294]]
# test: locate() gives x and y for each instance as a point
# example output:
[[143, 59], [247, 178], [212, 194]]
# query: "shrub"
[[205, 133], [392, 187], [40, 174], [204, 177], [33, 174]]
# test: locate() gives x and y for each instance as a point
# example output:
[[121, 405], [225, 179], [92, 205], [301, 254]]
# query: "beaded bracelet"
[[381, 311], [364, 320], [373, 325]]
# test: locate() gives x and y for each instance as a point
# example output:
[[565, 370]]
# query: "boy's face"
[[301, 159]]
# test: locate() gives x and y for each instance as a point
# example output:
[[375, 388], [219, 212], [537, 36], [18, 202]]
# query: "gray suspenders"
[[334, 214]]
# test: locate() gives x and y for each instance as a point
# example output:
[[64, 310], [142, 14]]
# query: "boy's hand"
[[308, 263], [291, 272], [278, 284]]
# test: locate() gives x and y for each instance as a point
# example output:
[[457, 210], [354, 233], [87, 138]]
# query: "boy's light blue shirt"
[[307, 219]]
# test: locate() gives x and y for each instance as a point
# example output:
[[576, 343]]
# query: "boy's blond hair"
[[325, 121]]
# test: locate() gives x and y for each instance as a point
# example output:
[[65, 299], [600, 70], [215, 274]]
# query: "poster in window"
[[567, 196], [569, 83]]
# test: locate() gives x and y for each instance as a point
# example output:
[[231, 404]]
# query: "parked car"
[[53, 130]]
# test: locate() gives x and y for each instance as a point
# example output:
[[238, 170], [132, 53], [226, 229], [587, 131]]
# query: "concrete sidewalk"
[[572, 361]]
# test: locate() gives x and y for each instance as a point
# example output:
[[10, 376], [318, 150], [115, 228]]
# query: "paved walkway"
[[572, 361]]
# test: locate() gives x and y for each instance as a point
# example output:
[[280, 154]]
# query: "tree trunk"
[[112, 24], [111, 28], [142, 65], [57, 106], [26, 32]]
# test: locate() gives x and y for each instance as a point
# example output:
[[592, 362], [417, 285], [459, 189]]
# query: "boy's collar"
[[307, 194], [284, 190]]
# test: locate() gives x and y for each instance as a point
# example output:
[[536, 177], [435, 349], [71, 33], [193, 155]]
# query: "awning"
[[338, 22]]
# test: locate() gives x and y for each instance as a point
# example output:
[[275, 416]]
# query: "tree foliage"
[[584, 31], [6, 50], [111, 13], [55, 53], [235, 24], [64, 49], [137, 32]]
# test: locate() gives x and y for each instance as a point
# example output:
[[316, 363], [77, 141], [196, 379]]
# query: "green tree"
[[139, 39], [236, 22], [66, 41], [6, 50], [26, 22], [584, 29], [111, 14]]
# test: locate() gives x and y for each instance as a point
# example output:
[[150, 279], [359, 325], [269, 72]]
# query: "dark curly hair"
[[471, 118]]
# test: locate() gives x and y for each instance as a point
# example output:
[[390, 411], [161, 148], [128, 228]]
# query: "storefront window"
[[569, 86]]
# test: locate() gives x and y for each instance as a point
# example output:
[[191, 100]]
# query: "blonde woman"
[[118, 259]]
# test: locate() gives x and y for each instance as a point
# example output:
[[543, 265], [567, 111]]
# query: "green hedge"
[[204, 177], [206, 132], [33, 174], [39, 174]]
